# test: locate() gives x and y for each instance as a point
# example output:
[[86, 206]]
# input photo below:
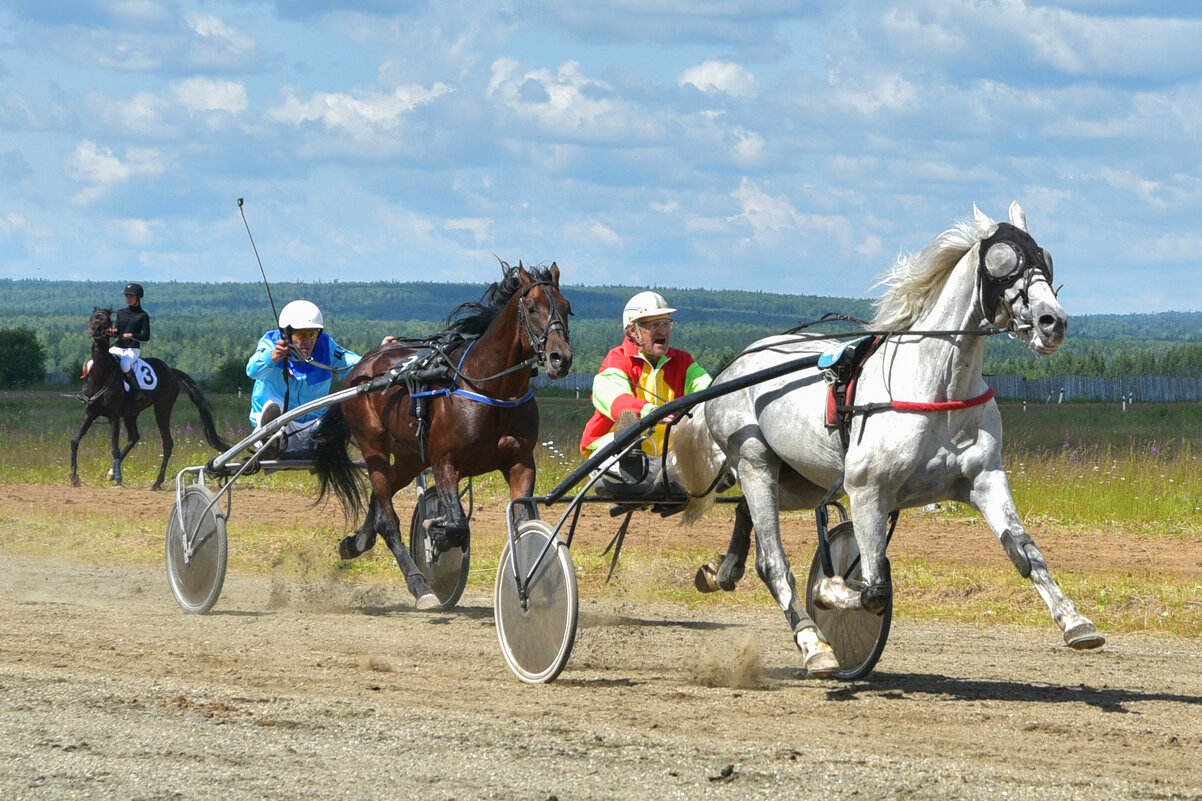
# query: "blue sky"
[[778, 145]]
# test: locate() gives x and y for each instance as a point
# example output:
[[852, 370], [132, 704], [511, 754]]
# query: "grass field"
[[1072, 467]]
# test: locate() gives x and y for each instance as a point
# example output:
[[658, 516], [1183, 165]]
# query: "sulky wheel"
[[857, 635], [445, 572], [537, 634], [197, 549]]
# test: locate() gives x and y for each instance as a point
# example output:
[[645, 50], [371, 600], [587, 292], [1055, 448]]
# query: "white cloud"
[[217, 45], [592, 232], [362, 115], [138, 233], [206, 94], [762, 211], [100, 168], [568, 105], [478, 226], [720, 76], [981, 35]]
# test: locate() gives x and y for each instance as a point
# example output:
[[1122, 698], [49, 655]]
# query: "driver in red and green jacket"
[[641, 374]]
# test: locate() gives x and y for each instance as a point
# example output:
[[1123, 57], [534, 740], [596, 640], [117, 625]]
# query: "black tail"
[[333, 465], [202, 406]]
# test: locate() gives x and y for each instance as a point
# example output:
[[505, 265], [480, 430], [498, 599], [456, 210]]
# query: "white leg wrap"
[[833, 593], [819, 659]]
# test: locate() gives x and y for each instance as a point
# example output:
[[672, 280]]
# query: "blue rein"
[[475, 396]]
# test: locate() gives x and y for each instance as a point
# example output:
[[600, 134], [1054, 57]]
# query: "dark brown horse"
[[105, 396], [481, 415]]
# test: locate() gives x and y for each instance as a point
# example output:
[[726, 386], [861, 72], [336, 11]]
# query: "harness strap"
[[486, 400], [476, 396], [914, 406], [944, 406]]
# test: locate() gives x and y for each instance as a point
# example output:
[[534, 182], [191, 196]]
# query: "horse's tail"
[[202, 406], [333, 466], [698, 462]]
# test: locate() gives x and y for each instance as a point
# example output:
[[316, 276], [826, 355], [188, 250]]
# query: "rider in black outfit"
[[132, 328]]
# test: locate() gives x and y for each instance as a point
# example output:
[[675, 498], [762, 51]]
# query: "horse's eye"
[[1001, 261]]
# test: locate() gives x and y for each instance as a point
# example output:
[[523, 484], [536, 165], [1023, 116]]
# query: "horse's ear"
[[985, 224], [554, 273], [1018, 217], [523, 274]]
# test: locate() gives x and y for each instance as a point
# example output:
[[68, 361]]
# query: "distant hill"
[[196, 326]]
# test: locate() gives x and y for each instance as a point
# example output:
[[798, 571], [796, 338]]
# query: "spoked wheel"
[[537, 635], [446, 572], [857, 636], [198, 520]]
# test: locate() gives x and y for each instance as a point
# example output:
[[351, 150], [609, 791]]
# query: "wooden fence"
[[1144, 389]]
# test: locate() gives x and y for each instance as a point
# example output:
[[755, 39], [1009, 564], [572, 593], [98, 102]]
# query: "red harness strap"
[[943, 406]]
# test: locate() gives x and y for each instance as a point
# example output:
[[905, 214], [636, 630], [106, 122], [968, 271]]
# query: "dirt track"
[[330, 689]]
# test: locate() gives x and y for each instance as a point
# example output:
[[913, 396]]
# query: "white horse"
[[924, 426]]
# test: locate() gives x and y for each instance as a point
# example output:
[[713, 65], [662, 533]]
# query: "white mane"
[[914, 282]]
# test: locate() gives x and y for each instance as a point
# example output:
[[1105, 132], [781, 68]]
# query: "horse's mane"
[[472, 319], [914, 282]]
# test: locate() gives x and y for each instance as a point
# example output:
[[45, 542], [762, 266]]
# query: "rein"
[[83, 397]]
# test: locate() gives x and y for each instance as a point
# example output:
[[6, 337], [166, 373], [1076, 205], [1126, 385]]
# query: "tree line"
[[211, 329]]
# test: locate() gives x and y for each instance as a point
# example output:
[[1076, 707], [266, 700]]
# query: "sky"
[[794, 146]]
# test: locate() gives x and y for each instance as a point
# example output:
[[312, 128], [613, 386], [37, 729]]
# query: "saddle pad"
[[147, 378], [834, 354]]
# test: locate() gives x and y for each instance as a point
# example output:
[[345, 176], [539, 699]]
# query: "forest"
[[211, 328]]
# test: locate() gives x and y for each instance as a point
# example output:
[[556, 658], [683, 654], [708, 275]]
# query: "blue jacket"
[[305, 383]]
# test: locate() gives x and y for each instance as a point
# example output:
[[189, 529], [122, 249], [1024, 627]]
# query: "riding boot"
[[135, 392], [633, 466], [271, 410]]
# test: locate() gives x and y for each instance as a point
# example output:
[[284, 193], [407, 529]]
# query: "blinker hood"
[[1003, 258]]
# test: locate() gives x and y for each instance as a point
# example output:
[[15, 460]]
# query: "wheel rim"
[[447, 572], [857, 636], [537, 638], [196, 583]]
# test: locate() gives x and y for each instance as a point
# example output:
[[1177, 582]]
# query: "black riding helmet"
[[133, 289]]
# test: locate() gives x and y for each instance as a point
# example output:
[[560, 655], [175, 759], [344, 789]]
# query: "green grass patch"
[[1070, 466]]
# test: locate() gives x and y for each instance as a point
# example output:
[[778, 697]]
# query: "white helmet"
[[301, 314], [644, 305]]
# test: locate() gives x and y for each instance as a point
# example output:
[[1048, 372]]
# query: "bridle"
[[538, 344], [555, 322], [1007, 259], [97, 329]]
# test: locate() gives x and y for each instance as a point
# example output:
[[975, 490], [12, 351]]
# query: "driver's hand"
[[282, 349], [388, 340]]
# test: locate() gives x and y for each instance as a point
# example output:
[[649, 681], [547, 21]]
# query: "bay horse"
[[104, 395], [924, 425], [481, 415]]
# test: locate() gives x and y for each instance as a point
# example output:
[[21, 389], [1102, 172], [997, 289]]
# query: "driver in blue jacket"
[[285, 380]]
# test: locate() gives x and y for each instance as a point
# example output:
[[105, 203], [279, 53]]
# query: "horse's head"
[[1014, 282], [544, 313], [99, 323]]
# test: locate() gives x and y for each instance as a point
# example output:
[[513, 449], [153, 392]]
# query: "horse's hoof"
[[819, 659], [706, 579], [1083, 637], [427, 602], [110, 475], [876, 597], [346, 548], [822, 664], [75, 482]]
